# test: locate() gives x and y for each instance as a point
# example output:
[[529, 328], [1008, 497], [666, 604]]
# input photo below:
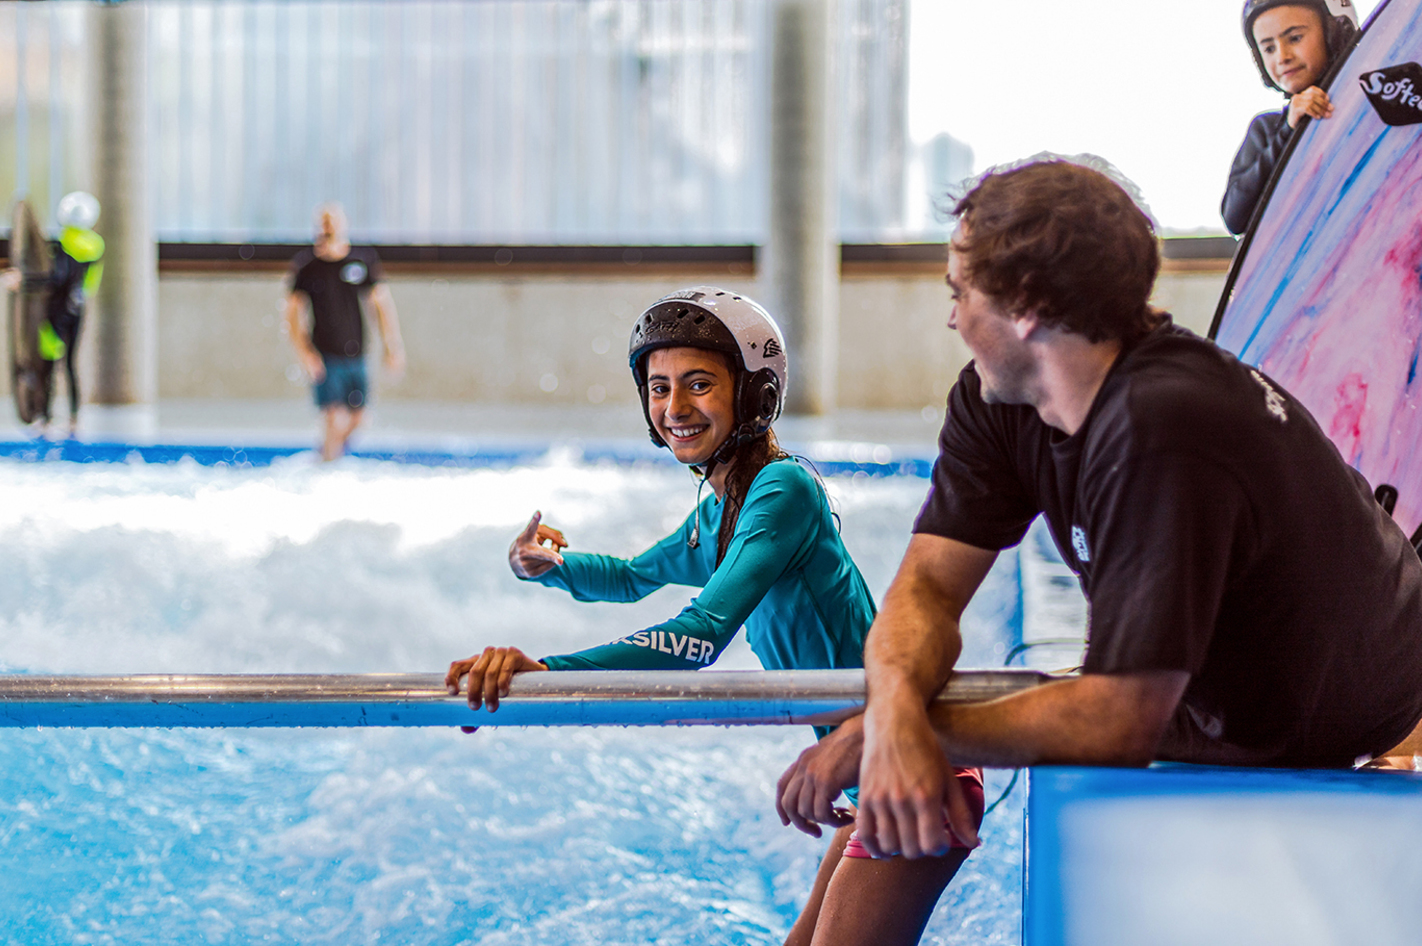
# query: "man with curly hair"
[[1251, 603]]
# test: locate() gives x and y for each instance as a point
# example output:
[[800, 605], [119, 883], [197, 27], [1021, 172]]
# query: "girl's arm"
[[537, 554], [778, 517]]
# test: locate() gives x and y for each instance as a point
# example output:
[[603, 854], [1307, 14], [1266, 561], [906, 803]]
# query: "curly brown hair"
[[1065, 242]]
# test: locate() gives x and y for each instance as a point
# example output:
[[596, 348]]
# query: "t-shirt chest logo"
[[1078, 544], [1273, 400], [353, 273]]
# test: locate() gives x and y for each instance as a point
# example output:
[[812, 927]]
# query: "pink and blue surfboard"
[[1325, 295]]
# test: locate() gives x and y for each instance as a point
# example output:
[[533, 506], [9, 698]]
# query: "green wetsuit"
[[786, 577]]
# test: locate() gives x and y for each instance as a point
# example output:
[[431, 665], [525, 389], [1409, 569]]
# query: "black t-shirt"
[[335, 289], [1216, 530]]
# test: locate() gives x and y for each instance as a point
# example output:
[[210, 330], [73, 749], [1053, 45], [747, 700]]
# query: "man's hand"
[[11, 279], [806, 792], [312, 363], [906, 787], [490, 674], [528, 556], [1313, 102], [394, 363]]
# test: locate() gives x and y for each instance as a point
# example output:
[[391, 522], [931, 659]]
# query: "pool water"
[[410, 836]]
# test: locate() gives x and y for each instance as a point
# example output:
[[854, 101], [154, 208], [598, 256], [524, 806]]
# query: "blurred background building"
[[535, 172], [501, 121]]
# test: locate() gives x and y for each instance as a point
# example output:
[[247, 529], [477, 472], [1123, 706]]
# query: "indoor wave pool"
[[412, 836]]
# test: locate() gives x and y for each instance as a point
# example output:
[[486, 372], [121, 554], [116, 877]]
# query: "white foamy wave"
[[362, 566], [411, 836]]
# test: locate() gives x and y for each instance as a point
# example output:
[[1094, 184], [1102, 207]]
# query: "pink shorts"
[[971, 781]]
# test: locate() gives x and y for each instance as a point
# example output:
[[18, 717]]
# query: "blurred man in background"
[[330, 280]]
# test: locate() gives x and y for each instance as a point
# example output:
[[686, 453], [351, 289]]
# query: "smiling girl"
[[764, 549], [1294, 42]]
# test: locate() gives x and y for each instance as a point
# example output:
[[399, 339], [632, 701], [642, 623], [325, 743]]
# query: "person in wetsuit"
[[73, 280], [764, 548], [76, 269], [1294, 43]]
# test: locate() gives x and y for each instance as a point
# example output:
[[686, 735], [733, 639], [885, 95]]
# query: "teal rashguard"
[[786, 577]]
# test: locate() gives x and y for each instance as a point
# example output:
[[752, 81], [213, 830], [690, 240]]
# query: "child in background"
[[1294, 43]]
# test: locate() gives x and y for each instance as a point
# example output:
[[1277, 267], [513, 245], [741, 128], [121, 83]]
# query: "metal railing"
[[566, 698]]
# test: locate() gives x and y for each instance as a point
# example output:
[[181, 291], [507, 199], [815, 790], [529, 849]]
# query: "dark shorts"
[[344, 385]]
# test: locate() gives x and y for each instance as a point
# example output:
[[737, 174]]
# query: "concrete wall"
[[543, 338]]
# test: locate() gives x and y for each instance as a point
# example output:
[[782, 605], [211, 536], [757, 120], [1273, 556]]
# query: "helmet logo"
[[691, 295], [771, 348], [1395, 93]]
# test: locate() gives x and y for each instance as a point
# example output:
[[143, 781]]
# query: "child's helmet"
[[717, 320], [78, 209], [1340, 24]]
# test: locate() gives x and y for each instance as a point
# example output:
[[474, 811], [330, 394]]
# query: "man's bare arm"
[[306, 353], [915, 639], [905, 781], [1098, 719], [1095, 719], [388, 322]]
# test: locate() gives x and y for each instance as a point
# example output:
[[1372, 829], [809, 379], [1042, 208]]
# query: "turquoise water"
[[409, 836]]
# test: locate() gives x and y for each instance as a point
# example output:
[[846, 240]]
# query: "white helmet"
[[78, 209], [718, 320], [1340, 25]]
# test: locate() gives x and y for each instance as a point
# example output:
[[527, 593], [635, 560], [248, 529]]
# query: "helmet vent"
[[699, 319]]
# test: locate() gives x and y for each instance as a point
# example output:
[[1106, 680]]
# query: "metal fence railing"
[[565, 698]]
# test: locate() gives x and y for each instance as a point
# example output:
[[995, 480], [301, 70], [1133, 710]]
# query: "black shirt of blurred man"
[[335, 288]]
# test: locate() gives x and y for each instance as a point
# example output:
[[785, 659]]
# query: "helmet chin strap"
[[695, 540], [723, 454]]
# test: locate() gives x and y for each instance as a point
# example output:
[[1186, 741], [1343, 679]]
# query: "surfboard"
[[29, 252], [1325, 294]]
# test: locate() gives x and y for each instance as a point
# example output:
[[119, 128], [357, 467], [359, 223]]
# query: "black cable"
[[1005, 792], [1047, 642]]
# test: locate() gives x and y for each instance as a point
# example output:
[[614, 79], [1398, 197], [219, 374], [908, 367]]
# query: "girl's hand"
[[490, 674], [528, 556], [805, 794], [1313, 102]]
